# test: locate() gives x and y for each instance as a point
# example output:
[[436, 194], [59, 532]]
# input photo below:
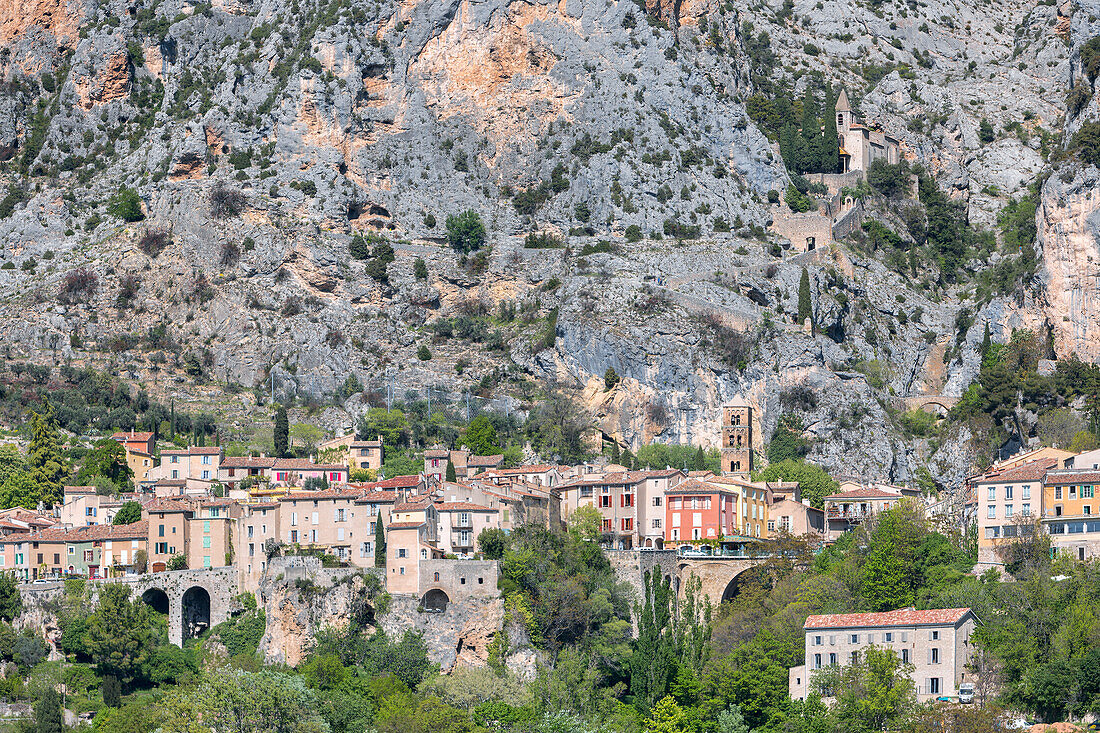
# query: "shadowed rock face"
[[337, 118]]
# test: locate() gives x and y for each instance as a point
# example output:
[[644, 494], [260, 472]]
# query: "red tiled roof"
[[98, 532], [414, 504], [405, 525], [397, 482], [695, 486], [377, 497], [462, 506], [324, 494], [1072, 477], [303, 464], [732, 481], [437, 453], [1031, 471], [539, 468], [167, 506], [132, 436], [79, 489], [248, 462], [901, 617]]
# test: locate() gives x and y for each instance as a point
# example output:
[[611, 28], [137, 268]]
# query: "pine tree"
[[379, 544], [805, 305], [830, 145], [616, 456], [452, 476], [45, 467], [282, 433], [987, 341]]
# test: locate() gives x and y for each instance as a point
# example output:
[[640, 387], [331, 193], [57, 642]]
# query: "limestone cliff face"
[[580, 118], [1068, 221], [1069, 238]]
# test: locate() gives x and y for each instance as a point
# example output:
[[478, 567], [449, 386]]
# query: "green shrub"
[[798, 201], [1090, 57], [126, 205], [891, 180], [542, 240], [985, 132], [423, 354], [633, 233], [465, 231], [8, 204], [1086, 143], [420, 269]]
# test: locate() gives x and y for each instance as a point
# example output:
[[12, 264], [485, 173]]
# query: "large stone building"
[[736, 438], [860, 145], [936, 642]]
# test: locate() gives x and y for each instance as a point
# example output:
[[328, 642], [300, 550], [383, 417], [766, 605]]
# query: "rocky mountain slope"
[[263, 137]]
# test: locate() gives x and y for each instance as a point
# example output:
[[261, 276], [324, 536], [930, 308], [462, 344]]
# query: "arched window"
[[435, 577]]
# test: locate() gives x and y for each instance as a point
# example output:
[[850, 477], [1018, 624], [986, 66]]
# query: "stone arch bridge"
[[194, 600], [720, 575]]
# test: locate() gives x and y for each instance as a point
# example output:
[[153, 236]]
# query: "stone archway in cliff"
[[157, 599], [195, 609], [435, 600]]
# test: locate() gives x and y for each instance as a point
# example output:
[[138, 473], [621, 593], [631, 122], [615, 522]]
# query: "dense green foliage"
[[465, 231], [128, 513], [84, 399], [815, 483], [1009, 380]]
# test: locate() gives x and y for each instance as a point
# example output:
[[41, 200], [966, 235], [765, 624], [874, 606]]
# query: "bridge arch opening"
[[739, 582], [196, 611], [157, 599], [435, 600]]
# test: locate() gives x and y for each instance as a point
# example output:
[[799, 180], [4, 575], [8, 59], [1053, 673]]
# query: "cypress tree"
[[451, 475], [112, 691], [282, 433], [47, 712], [44, 462], [987, 341], [811, 132], [830, 146], [805, 306], [379, 544], [699, 461], [654, 652], [786, 146], [627, 459]]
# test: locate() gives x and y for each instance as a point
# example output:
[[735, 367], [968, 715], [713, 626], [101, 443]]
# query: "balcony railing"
[[852, 515]]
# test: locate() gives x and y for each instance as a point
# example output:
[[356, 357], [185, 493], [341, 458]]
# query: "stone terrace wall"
[[797, 227]]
